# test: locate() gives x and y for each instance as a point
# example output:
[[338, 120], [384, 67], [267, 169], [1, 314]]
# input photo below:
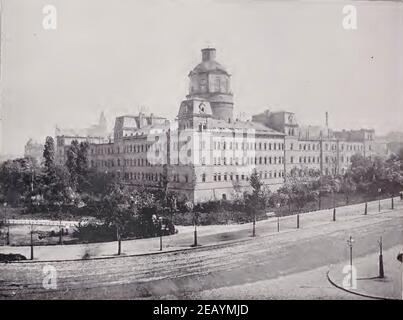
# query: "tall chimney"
[[327, 119]]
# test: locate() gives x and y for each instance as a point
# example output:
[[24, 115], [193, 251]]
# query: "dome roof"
[[208, 66]]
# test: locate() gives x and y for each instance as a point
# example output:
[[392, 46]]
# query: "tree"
[[49, 160], [298, 190], [256, 184], [17, 179], [376, 173], [362, 172], [389, 176], [58, 193], [82, 164], [347, 186], [130, 212], [72, 163], [255, 200], [49, 153], [118, 207]]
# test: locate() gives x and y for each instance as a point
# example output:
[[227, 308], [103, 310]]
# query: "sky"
[[118, 56]]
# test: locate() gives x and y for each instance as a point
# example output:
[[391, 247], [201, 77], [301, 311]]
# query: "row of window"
[[333, 147], [238, 177], [126, 162], [156, 177], [222, 161], [126, 149], [317, 159], [223, 145], [247, 160]]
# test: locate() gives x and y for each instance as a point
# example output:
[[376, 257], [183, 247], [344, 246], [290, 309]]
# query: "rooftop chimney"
[[327, 119], [208, 54]]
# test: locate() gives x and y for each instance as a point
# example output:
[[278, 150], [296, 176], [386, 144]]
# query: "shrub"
[[95, 232], [11, 257], [136, 228]]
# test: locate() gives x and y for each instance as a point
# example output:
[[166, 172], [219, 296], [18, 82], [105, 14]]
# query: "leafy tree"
[[347, 186], [49, 161], [82, 164], [72, 163], [58, 193], [49, 152], [389, 176], [362, 172], [298, 190], [254, 200], [17, 179], [257, 200]]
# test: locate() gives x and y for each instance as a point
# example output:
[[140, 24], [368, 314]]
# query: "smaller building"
[[95, 134]]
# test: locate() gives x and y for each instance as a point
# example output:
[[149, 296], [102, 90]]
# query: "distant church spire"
[[102, 119]]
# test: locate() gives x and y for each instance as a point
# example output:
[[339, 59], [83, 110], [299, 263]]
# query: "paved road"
[[207, 235], [181, 274]]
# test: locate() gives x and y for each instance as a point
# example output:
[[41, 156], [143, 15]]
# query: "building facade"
[[207, 154], [95, 134]]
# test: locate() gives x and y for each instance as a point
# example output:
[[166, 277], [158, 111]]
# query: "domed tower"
[[209, 80]]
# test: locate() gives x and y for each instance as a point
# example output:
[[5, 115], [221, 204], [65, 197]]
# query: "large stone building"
[[206, 153]]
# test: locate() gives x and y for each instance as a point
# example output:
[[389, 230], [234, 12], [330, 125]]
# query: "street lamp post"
[[32, 244], [119, 240], [278, 218], [160, 225], [350, 243], [298, 221], [60, 233], [60, 222], [381, 270], [366, 208], [254, 225], [334, 205], [8, 225], [392, 203], [379, 199], [195, 231], [189, 205]]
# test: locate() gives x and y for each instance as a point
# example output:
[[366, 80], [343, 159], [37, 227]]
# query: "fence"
[[41, 222]]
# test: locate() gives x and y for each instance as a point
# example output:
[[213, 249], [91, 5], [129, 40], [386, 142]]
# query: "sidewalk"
[[368, 284], [207, 235]]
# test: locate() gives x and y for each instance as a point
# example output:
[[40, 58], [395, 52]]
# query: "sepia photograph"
[[185, 151]]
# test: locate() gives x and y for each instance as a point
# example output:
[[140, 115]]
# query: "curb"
[[357, 293], [215, 245], [199, 247]]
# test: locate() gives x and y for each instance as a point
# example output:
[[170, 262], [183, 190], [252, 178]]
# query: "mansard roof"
[[243, 125]]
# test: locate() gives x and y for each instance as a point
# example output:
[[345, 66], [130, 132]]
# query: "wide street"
[[294, 260]]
